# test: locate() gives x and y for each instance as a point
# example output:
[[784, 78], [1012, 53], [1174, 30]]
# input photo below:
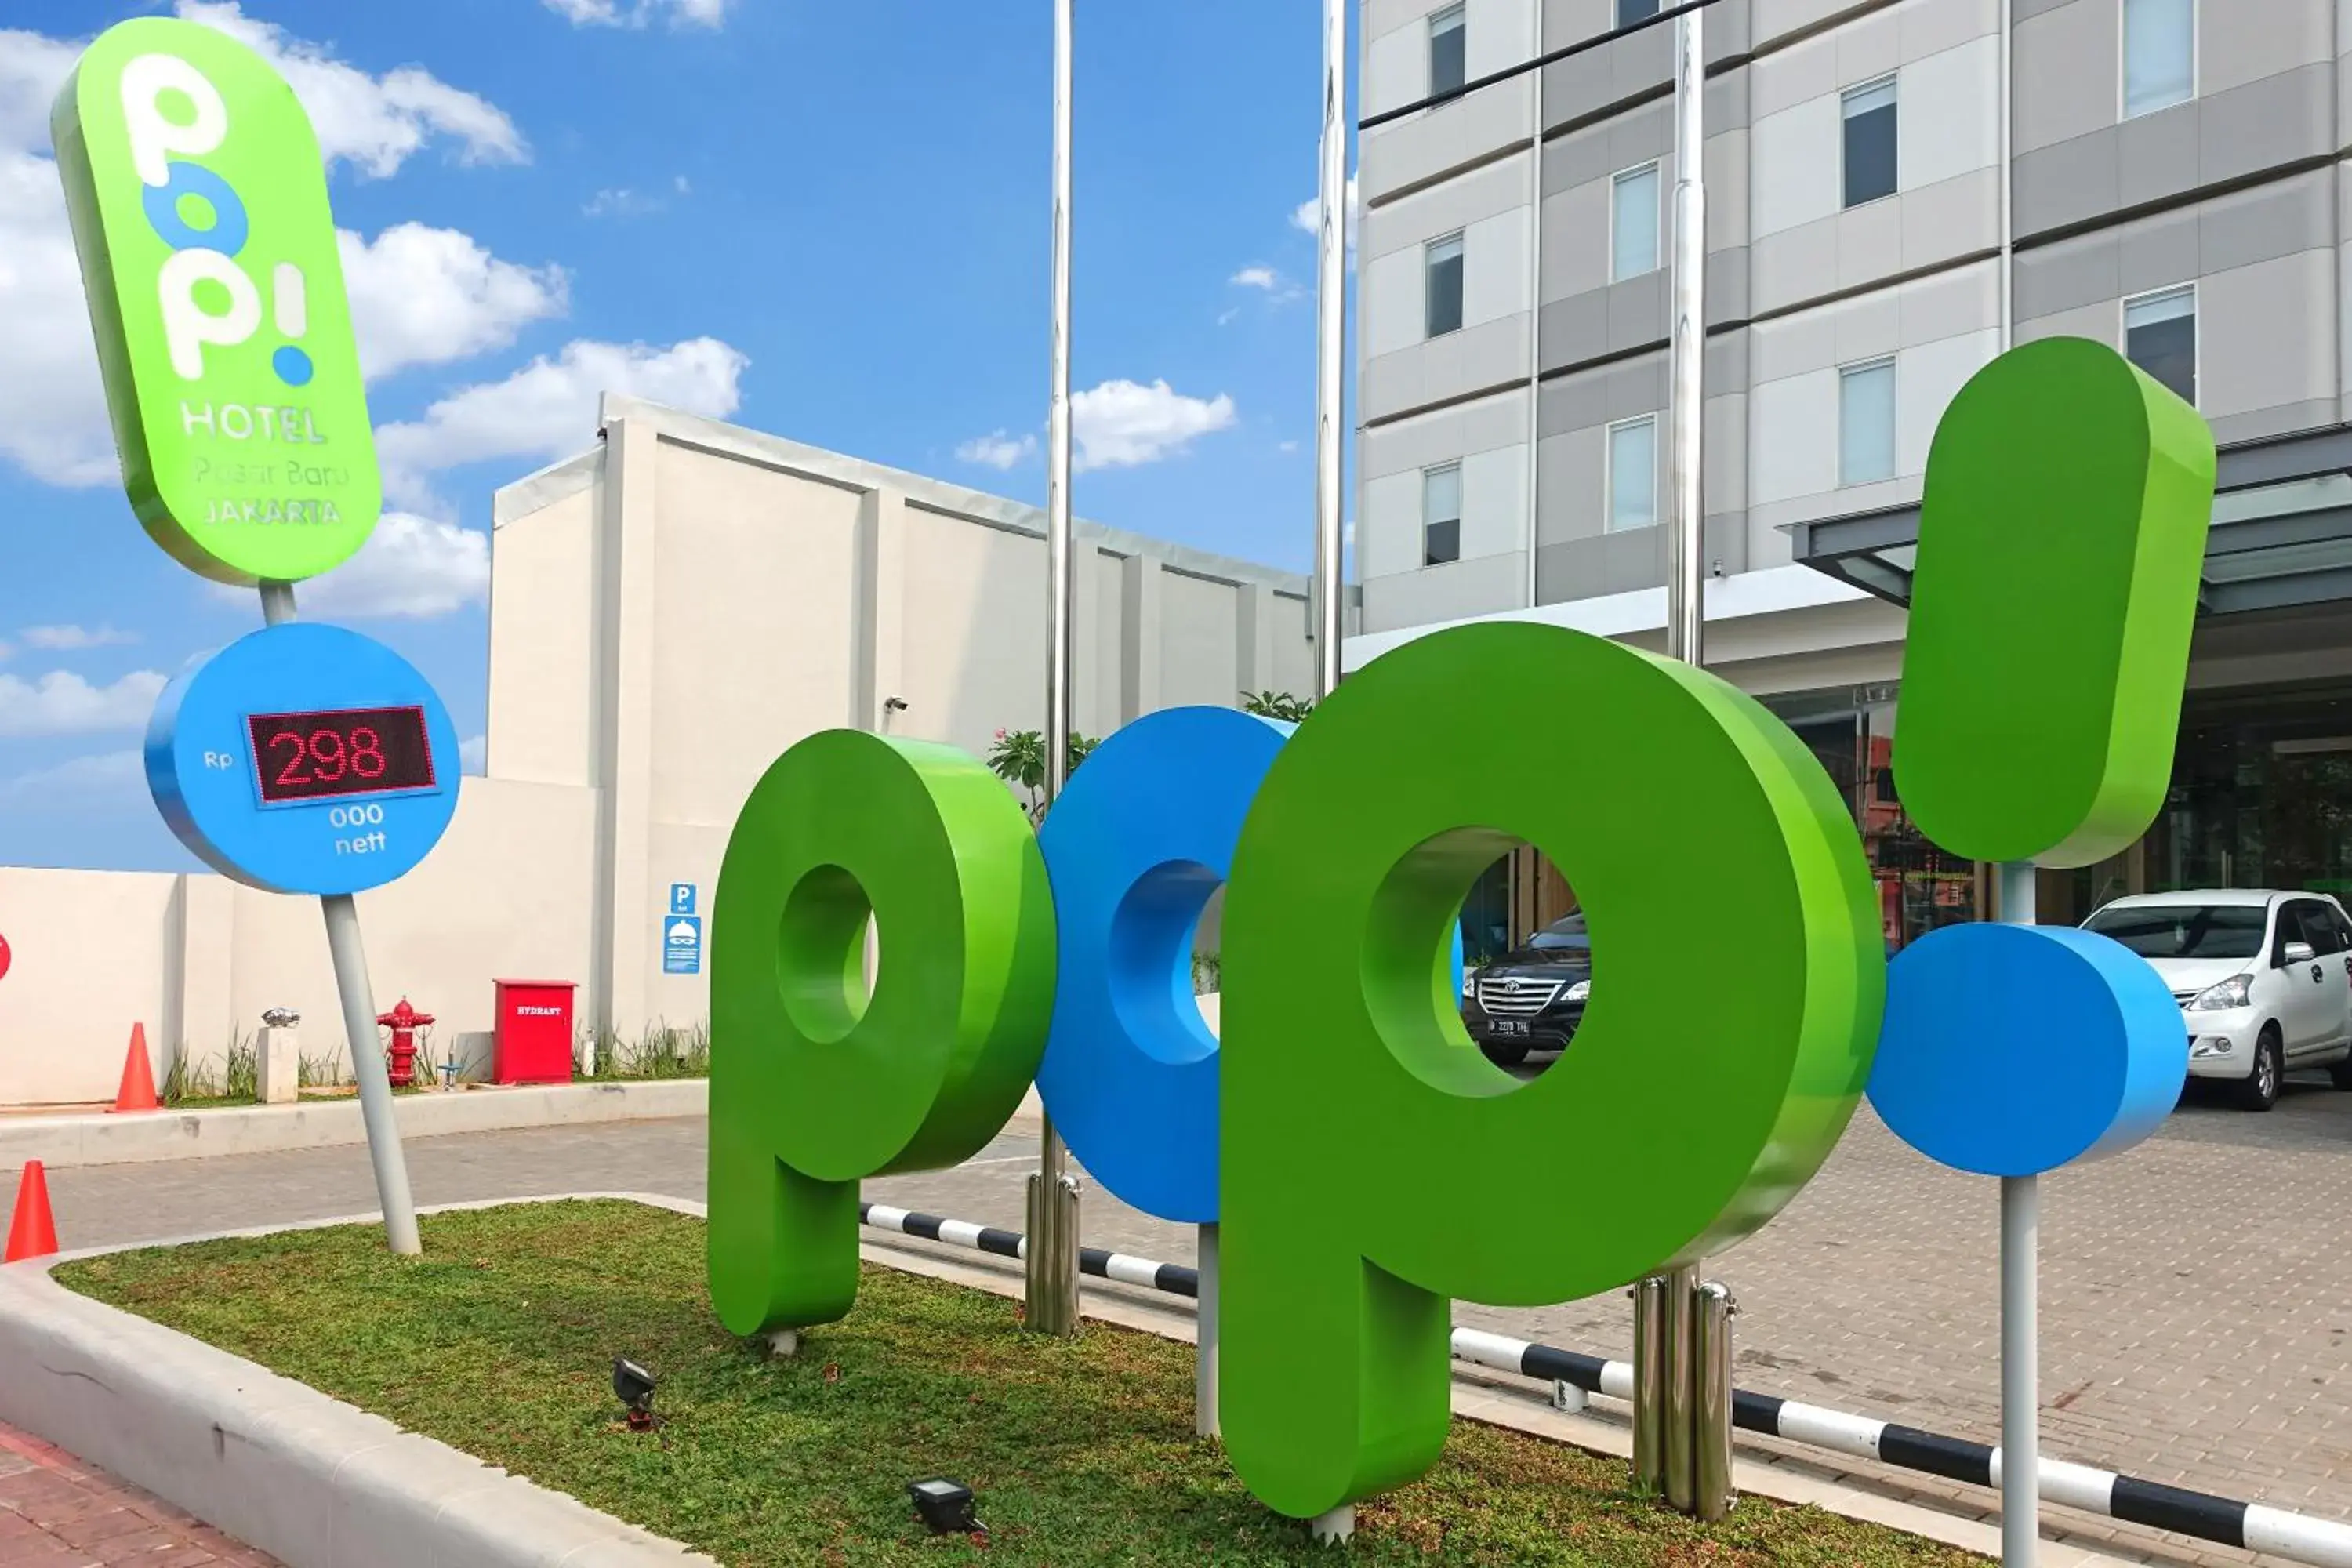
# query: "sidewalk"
[[55, 1513]]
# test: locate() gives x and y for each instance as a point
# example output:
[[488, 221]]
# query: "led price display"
[[304, 758], [300, 757]]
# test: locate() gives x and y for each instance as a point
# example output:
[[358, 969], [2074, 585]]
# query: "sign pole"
[[1051, 1276], [2021, 1225], [357, 998]]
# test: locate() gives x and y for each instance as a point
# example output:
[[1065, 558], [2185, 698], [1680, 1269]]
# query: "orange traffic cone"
[[32, 1234], [138, 1091]]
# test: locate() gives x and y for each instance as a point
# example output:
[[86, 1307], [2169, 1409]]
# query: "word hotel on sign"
[[244, 422]]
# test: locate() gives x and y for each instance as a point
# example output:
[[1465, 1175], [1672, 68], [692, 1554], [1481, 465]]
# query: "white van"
[[2263, 980]]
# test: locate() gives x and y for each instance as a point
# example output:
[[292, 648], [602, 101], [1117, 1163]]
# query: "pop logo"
[[209, 257], [1365, 1163], [200, 216]]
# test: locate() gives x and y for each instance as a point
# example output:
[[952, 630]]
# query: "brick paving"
[[57, 1512], [2197, 1293]]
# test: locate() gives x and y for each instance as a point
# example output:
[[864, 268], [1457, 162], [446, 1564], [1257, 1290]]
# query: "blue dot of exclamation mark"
[[292, 365]]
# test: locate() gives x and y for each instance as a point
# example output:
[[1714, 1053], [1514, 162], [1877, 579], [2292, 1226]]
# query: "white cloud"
[[997, 449], [627, 201], [547, 408], [474, 755], [1287, 446], [62, 702], [78, 779], [32, 68], [374, 124], [69, 639], [620, 201], [1254, 278], [52, 407], [612, 13], [411, 566], [1120, 424], [1308, 214], [429, 295], [414, 289]]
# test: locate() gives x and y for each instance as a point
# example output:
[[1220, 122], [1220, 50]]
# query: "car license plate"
[[1517, 1027]]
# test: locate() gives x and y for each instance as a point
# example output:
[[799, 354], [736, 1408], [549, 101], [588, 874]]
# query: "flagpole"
[[1331, 388], [1051, 1267], [1330, 327]]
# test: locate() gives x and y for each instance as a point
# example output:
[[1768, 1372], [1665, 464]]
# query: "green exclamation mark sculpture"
[[2062, 543]]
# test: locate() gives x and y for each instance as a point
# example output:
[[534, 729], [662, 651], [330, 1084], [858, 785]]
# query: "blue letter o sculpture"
[[2011, 1050], [1137, 842]]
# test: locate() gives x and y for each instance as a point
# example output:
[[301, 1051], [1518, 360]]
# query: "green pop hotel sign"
[[199, 208]]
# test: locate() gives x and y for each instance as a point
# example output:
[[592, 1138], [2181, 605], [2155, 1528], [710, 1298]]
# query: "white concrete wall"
[[195, 959], [668, 613], [793, 590], [94, 951]]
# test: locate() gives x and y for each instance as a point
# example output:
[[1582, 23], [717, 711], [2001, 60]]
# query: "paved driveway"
[[2197, 1293]]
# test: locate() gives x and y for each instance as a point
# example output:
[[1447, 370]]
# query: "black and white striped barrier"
[[2254, 1526], [2208, 1517], [1171, 1278]]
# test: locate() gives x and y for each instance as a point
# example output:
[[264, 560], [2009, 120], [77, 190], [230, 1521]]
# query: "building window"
[[2160, 337], [1633, 473], [1869, 141], [1633, 223], [1449, 54], [1632, 11], [1866, 423], [1441, 514], [1442, 261], [2159, 54]]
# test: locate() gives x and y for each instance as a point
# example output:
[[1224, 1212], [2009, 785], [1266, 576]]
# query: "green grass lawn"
[[500, 1341]]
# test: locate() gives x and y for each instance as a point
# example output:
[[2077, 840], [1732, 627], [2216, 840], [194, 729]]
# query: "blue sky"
[[824, 221]]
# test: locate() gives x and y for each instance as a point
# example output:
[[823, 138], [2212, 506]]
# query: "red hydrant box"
[[531, 1042]]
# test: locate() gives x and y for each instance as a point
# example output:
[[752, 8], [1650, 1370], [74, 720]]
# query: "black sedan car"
[[1532, 998]]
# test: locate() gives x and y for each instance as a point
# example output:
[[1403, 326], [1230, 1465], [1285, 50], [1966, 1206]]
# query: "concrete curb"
[[61, 1142], [314, 1482]]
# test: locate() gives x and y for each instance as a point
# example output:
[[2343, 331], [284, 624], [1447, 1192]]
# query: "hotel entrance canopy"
[[2281, 534]]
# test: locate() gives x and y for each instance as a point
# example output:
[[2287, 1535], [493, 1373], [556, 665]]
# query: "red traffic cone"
[[138, 1090], [32, 1233]]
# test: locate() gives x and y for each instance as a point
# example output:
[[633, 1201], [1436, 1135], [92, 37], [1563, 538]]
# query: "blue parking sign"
[[681, 898]]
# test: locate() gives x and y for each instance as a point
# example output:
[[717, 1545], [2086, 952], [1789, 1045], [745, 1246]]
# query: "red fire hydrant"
[[404, 1021]]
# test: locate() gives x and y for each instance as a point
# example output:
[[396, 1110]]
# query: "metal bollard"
[[1650, 1383], [1679, 1377], [1055, 1272], [1713, 1309], [1205, 1334]]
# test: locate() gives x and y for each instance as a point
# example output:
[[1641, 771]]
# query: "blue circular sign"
[[304, 759]]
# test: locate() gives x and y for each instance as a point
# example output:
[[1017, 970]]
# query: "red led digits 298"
[[362, 751]]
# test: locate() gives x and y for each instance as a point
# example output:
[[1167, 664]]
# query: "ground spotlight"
[[633, 1386], [945, 1506]]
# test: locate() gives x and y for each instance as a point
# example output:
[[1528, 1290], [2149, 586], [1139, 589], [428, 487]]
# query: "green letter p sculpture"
[[814, 1084], [1375, 1164]]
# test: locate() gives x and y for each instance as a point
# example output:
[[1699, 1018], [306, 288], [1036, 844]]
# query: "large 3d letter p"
[[1375, 1164], [814, 1085]]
